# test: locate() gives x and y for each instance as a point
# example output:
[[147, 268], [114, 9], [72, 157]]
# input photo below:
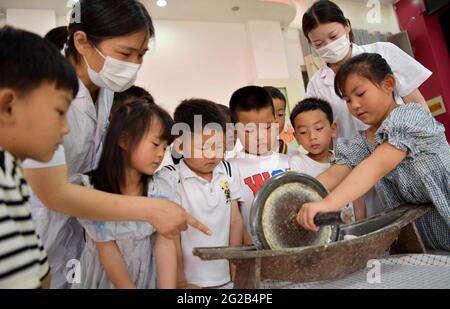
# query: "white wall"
[[356, 11], [61, 20], [196, 59], [267, 49], [2, 22], [37, 21]]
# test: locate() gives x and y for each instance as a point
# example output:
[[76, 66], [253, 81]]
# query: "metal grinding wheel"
[[274, 211]]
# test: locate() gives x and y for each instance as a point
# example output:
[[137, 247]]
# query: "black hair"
[[133, 119], [58, 36], [275, 93], [208, 110], [250, 98], [102, 20], [225, 110], [368, 65], [129, 95], [27, 61], [324, 12], [312, 104]]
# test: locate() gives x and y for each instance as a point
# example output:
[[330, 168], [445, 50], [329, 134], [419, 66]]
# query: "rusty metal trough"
[[332, 261]]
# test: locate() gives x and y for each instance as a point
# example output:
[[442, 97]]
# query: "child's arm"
[[384, 159], [54, 190], [115, 268], [237, 232], [416, 97], [181, 277], [47, 281], [237, 226], [333, 176], [166, 262], [359, 207]]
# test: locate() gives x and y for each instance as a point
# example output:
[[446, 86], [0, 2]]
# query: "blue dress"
[[134, 239], [422, 177]]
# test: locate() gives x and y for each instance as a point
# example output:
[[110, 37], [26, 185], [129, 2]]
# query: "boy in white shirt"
[[314, 129], [208, 187], [253, 113]]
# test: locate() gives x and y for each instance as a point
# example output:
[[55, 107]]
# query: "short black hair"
[[225, 111], [275, 93], [58, 36], [208, 110], [312, 104], [368, 65], [132, 94], [27, 61], [250, 98]]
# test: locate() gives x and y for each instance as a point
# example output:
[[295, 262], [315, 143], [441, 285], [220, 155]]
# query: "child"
[[36, 87], [253, 113], [208, 189], [130, 95], [120, 254], [280, 105], [314, 129], [404, 152]]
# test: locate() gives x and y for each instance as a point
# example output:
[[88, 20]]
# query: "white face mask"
[[115, 75], [335, 51]]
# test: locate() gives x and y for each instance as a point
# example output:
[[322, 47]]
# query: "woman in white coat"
[[330, 35], [106, 45]]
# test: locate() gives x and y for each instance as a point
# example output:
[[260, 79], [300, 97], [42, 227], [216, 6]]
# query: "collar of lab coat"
[[88, 105]]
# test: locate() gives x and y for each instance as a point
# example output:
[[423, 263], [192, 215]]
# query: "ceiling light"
[[161, 3]]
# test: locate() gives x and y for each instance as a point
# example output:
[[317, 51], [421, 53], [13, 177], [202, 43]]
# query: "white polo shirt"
[[409, 73], [303, 164], [253, 171], [210, 203]]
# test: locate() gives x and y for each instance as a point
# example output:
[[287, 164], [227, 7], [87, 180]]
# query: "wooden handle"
[[332, 218]]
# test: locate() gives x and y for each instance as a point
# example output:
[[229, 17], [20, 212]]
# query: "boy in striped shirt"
[[37, 85]]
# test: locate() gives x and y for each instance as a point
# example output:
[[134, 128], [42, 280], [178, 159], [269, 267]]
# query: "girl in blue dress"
[[404, 153]]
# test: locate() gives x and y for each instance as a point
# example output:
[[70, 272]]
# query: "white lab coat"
[[409, 73], [62, 235]]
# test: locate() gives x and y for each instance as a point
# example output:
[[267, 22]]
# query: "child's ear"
[[81, 42], [123, 142], [389, 83], [7, 98], [334, 130], [178, 145]]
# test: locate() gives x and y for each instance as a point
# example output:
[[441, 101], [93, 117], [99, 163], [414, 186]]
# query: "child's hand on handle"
[[169, 219], [308, 212]]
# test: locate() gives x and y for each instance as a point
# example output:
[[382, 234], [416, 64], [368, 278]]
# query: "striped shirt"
[[23, 261]]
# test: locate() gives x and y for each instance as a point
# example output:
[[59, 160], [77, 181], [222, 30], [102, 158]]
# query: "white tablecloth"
[[413, 271]]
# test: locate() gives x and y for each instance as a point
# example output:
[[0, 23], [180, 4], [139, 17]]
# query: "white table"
[[412, 271]]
